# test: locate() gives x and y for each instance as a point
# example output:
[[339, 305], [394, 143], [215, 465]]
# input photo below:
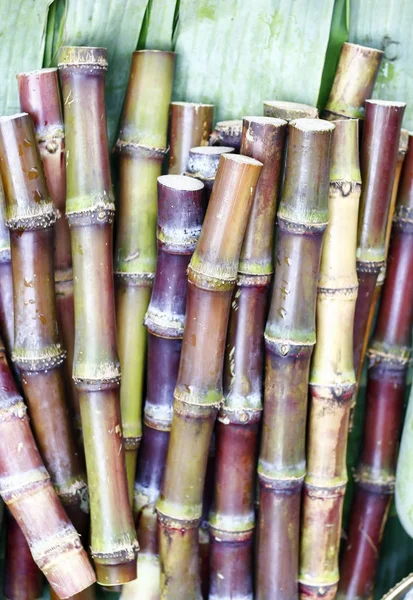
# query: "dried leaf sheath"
[[289, 340], [232, 516], [198, 393], [141, 147], [332, 377], [37, 352], [25, 487], [96, 370], [40, 98], [389, 355], [180, 215], [191, 125], [354, 81]]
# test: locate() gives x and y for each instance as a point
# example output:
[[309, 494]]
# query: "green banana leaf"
[[387, 25], [113, 24], [22, 42], [161, 19], [236, 54]]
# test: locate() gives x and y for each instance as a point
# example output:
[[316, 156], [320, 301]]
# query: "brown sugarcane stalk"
[[40, 98], [180, 216], [227, 133], [37, 352], [289, 340], [289, 111], [191, 125], [96, 370], [389, 355], [198, 393], [203, 164], [403, 143], [141, 147], [353, 82], [378, 160], [23, 580], [232, 515], [332, 376], [6, 280], [26, 488]]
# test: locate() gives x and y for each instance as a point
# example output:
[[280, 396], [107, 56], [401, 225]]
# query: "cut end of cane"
[[180, 182], [192, 104], [289, 110], [386, 103], [363, 49], [113, 575], [92, 56], [70, 574], [315, 125], [15, 117], [240, 158], [265, 121], [37, 72]]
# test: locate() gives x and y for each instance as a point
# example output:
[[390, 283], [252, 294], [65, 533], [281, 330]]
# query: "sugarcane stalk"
[[403, 144], [378, 159], [354, 81], [37, 352], [389, 357], [26, 488], [227, 133], [96, 370], [141, 147], [289, 111], [6, 280], [289, 340], [191, 125], [23, 580], [232, 515], [180, 216], [332, 377], [203, 164], [198, 393], [40, 98]]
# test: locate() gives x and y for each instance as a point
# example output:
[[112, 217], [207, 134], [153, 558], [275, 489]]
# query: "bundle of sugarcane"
[[389, 355], [289, 340]]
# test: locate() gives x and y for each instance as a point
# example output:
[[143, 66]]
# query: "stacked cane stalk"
[[190, 126], [96, 370], [289, 340], [40, 98], [332, 376], [180, 215], [232, 516], [389, 356], [198, 393], [141, 147]]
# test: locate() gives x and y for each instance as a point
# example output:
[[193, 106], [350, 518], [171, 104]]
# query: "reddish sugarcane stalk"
[[6, 280], [403, 143], [23, 580], [289, 340], [378, 159], [180, 215], [37, 351], [203, 164], [40, 98], [232, 515], [332, 376], [96, 370], [227, 133], [353, 82], [25, 487], [141, 147], [389, 355], [190, 125], [211, 279]]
